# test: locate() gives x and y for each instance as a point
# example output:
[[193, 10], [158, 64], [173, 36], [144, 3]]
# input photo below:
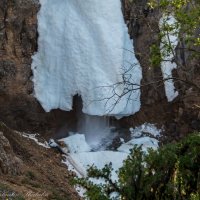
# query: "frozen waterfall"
[[167, 66], [84, 48]]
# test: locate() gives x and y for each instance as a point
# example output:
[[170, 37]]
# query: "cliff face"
[[183, 114], [143, 28], [18, 42]]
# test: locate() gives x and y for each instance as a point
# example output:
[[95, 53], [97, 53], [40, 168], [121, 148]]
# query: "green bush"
[[170, 173]]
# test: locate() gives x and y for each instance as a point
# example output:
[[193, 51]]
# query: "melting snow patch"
[[99, 159], [81, 156], [145, 128], [33, 137], [168, 65], [145, 142], [76, 143]]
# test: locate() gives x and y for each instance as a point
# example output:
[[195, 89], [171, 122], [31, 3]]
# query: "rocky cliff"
[[18, 42], [183, 114]]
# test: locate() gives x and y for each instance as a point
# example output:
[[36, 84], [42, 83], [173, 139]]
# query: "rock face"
[[9, 163], [18, 42], [144, 29], [184, 112]]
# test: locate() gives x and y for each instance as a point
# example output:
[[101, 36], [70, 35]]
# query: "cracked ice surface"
[[83, 46]]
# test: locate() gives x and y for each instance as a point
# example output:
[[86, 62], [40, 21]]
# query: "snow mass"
[[167, 66], [80, 156], [84, 47]]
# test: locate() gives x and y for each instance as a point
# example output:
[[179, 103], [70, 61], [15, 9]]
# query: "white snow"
[[33, 137], [83, 45], [145, 142], [80, 156], [99, 159], [146, 128], [76, 143], [52, 143], [167, 66]]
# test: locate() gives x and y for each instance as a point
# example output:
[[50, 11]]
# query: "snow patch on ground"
[[76, 143], [167, 65], [80, 156], [84, 45], [145, 142], [145, 128], [33, 137], [99, 159]]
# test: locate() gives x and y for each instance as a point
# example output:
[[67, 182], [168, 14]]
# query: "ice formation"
[[84, 45], [82, 157], [167, 65]]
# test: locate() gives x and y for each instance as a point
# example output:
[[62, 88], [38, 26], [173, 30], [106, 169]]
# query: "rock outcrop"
[[143, 28], [18, 42], [9, 163], [183, 114]]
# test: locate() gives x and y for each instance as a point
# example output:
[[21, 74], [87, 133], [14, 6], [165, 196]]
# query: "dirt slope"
[[41, 174]]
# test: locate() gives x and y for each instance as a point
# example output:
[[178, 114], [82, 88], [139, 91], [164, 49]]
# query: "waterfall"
[[96, 130], [84, 48]]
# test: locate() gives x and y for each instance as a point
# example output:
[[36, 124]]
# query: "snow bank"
[[145, 142], [82, 47], [76, 143], [145, 128], [83, 157], [80, 156], [100, 159], [167, 66], [79, 160]]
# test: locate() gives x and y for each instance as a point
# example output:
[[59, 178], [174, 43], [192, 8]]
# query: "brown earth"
[[41, 175]]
